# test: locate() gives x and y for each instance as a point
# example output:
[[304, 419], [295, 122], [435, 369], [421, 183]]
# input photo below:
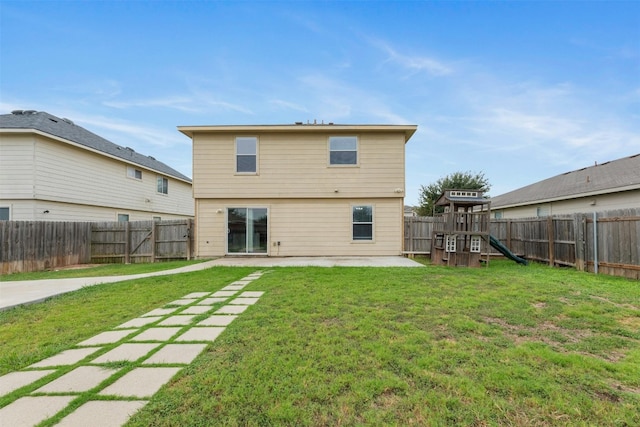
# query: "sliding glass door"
[[247, 230]]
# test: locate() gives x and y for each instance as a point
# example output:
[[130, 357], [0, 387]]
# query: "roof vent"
[[298, 123], [130, 149], [29, 112], [64, 119], [151, 157], [17, 112]]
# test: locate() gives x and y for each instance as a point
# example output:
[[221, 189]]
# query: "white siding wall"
[[604, 202], [95, 185], [305, 227], [16, 167]]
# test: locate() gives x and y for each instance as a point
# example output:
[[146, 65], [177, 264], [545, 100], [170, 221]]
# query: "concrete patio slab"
[[196, 295], [233, 287], [196, 309], [102, 413], [108, 337], [180, 302], [244, 301], [138, 322], [222, 320], [177, 320], [211, 301], [208, 334], [31, 410], [221, 294], [79, 380], [67, 357], [364, 261], [251, 294], [231, 309], [15, 380], [141, 382], [156, 334], [128, 352], [160, 312], [176, 353]]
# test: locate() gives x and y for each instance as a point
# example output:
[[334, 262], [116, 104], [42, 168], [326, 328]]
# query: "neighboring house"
[[410, 212], [607, 186], [299, 190], [54, 170]]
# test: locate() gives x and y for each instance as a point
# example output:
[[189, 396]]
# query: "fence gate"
[[141, 241]]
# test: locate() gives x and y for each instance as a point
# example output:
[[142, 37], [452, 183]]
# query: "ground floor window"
[[362, 217], [247, 230], [5, 214], [123, 217]]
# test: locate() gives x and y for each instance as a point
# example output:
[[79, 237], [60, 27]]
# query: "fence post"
[[189, 237], [595, 242], [579, 225], [550, 236], [127, 243], [153, 241]]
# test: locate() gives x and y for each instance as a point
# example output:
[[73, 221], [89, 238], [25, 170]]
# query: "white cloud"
[[413, 63]]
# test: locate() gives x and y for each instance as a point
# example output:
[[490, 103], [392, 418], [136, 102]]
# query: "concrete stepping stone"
[[224, 294], [211, 301], [67, 357], [140, 382], [251, 294], [231, 309], [177, 320], [208, 334], [176, 353], [196, 309], [108, 337], [222, 320], [128, 352], [138, 322], [233, 288], [244, 301], [180, 302], [79, 380], [243, 282], [156, 334], [196, 295], [160, 312], [15, 380], [102, 413], [31, 410]]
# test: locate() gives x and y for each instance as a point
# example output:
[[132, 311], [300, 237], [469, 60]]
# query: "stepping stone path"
[[156, 345]]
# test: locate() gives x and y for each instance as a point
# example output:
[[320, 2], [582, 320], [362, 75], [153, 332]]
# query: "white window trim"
[[134, 169], [373, 223], [450, 242], [235, 157], [122, 213], [160, 192], [357, 163], [476, 244]]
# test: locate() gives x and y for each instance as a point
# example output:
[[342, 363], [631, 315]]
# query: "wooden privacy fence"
[[43, 245], [37, 245], [611, 247], [141, 241]]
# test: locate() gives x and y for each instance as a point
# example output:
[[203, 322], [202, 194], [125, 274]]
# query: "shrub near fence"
[[43, 245], [613, 248]]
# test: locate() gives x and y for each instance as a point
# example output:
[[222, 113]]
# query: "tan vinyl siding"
[[16, 167], [296, 166], [305, 227], [597, 203]]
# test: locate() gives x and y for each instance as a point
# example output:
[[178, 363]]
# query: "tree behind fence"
[[38, 245], [558, 240]]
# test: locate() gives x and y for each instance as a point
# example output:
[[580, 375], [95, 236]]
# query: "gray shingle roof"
[[66, 129], [610, 177]]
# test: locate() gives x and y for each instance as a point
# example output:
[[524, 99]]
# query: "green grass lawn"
[[100, 270], [504, 345]]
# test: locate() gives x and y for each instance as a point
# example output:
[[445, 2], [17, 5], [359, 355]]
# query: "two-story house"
[[54, 170], [299, 190]]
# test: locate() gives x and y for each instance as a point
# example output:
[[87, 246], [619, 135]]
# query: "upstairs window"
[[163, 185], [134, 173], [362, 222], [343, 150], [246, 155]]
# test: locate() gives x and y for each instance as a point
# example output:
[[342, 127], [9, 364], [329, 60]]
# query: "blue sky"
[[521, 91]]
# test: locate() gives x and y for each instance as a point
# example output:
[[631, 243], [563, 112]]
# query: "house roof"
[[40, 121], [461, 197], [610, 177], [408, 130]]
